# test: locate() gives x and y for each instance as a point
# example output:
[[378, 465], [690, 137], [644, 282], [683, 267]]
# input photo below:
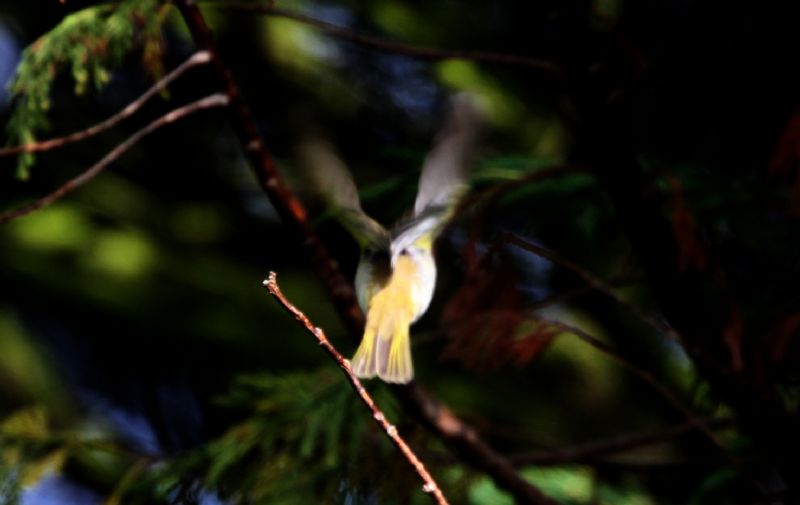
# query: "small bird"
[[396, 273]]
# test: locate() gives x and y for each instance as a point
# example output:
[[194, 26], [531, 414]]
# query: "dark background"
[[129, 308]]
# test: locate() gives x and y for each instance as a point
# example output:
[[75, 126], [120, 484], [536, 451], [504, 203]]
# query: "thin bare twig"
[[460, 436], [215, 100], [380, 44], [196, 59], [429, 484], [593, 281]]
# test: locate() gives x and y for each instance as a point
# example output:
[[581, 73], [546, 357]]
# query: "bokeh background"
[[141, 360]]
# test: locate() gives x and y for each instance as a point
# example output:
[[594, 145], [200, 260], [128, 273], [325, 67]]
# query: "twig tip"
[[271, 282], [202, 56]]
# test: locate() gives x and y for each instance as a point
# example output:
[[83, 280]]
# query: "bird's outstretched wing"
[[325, 176], [444, 176], [446, 167]]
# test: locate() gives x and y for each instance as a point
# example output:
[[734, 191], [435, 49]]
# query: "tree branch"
[[644, 375], [593, 281], [215, 100], [600, 285], [380, 44], [196, 59], [465, 440], [461, 437], [429, 484], [491, 195]]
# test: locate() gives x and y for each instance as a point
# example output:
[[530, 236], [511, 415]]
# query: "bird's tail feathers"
[[385, 351]]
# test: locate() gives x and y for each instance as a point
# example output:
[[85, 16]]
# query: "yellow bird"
[[396, 274]]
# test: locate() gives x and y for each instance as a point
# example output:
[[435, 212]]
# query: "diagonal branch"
[[196, 59], [412, 51], [489, 197], [461, 437], [429, 485], [592, 281], [465, 441], [603, 287], [645, 375], [215, 100]]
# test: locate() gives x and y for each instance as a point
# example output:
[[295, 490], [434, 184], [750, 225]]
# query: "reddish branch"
[[429, 485], [286, 203], [215, 100], [461, 437], [196, 59], [380, 44]]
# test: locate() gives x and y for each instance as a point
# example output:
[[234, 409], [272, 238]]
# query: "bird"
[[396, 274]]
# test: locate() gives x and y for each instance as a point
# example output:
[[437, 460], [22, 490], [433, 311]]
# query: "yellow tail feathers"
[[385, 351], [399, 368], [385, 348], [363, 363]]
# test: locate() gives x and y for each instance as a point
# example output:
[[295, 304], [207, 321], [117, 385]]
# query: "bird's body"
[[393, 298], [396, 274]]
